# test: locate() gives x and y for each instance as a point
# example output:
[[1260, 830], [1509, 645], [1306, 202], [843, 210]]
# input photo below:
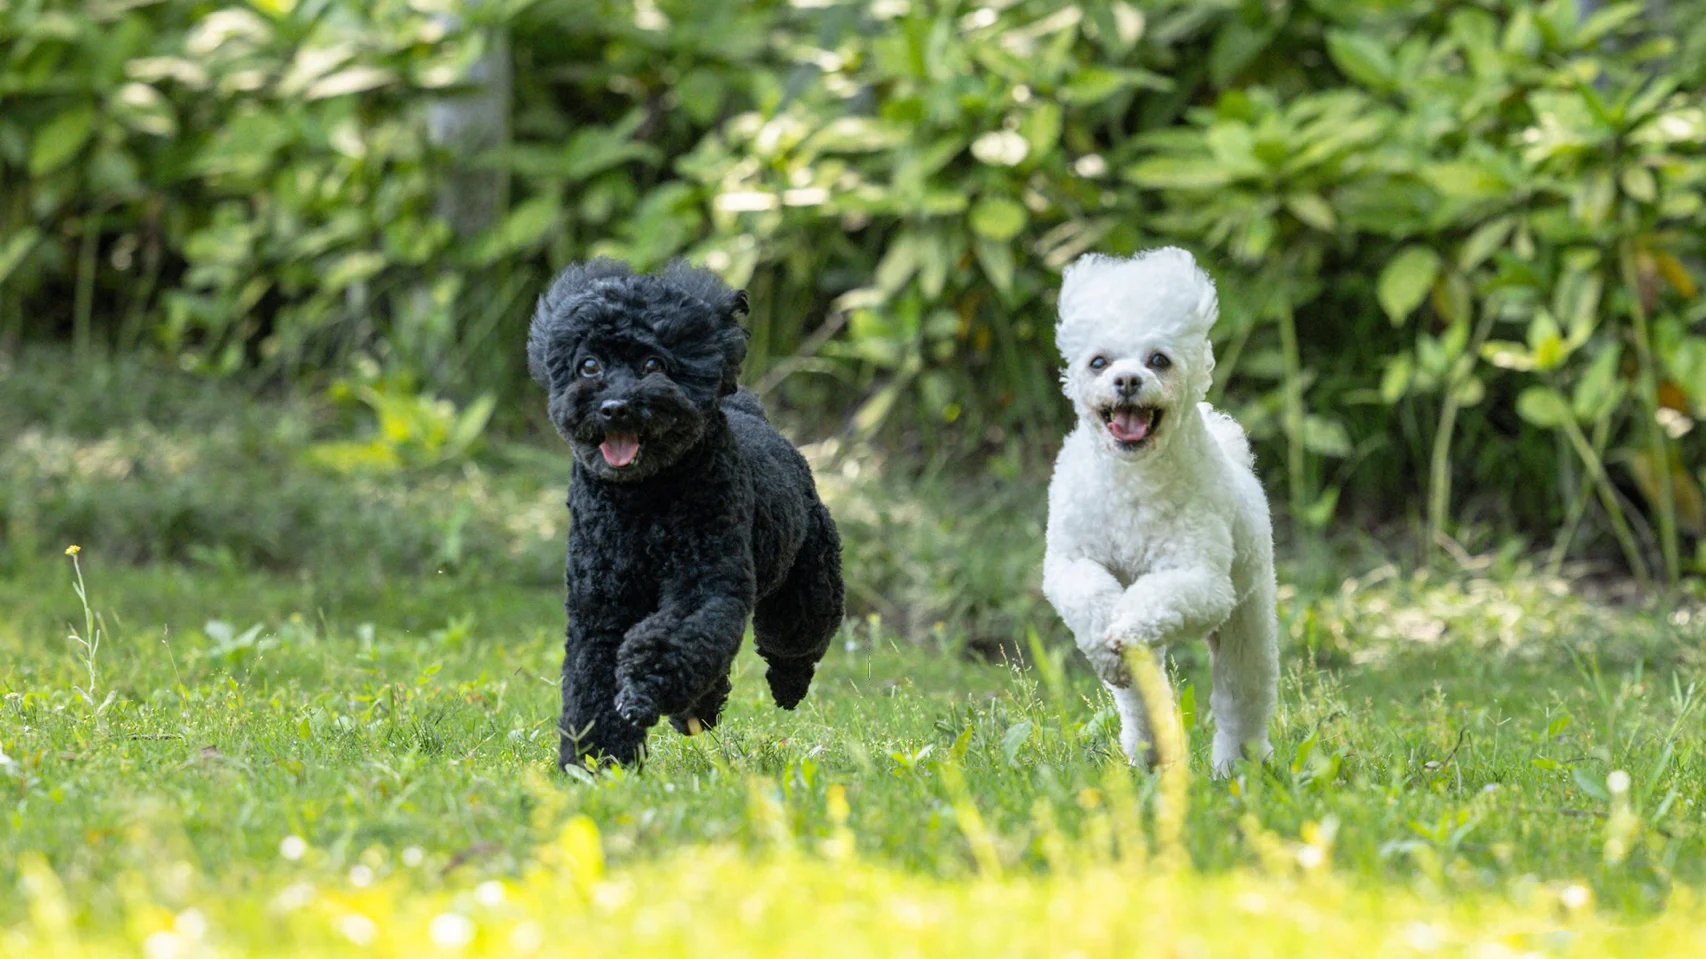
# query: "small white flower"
[[747, 201], [1000, 148], [294, 896], [527, 937], [489, 893], [1423, 936], [361, 876], [1575, 896], [413, 856], [190, 924], [1617, 782], [1090, 166], [163, 945], [451, 931], [293, 848], [358, 929], [1311, 857]]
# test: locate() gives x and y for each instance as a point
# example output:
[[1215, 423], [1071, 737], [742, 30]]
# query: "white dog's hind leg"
[[1246, 677], [1137, 738]]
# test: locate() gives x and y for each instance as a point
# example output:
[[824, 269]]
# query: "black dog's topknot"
[[553, 318]]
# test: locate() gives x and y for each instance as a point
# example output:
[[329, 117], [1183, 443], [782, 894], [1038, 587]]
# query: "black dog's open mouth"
[[620, 450], [1132, 426]]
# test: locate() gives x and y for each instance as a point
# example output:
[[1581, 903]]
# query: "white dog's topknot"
[[1161, 290]]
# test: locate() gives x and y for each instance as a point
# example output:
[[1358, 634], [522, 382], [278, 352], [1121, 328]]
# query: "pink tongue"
[[620, 449], [1129, 426]]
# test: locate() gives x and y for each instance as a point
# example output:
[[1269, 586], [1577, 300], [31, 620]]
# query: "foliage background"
[[1460, 245]]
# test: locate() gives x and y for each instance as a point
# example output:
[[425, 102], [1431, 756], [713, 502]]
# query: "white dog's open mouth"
[[1131, 426]]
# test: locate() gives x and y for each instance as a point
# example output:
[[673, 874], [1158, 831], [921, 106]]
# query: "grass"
[[286, 758]]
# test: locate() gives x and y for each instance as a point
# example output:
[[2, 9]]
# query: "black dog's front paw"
[[637, 706]]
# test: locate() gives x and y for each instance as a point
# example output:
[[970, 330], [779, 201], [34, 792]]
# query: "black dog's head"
[[635, 365]]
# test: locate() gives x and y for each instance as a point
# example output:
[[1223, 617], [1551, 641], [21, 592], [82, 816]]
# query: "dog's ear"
[[734, 338], [552, 314]]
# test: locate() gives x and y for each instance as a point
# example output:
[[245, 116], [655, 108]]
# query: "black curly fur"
[[714, 519]]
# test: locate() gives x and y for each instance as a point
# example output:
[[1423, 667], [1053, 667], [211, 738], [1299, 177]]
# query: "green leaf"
[[60, 138], [353, 268], [1178, 173], [1395, 381], [1463, 180], [1599, 391], [1507, 355], [1543, 406], [998, 218], [470, 423], [356, 79], [997, 262], [1406, 280], [1638, 184], [1576, 302], [1546, 343], [1041, 128], [1094, 84], [525, 226], [1593, 787], [1014, 740], [15, 249], [1326, 437], [1361, 58], [1481, 244], [1312, 210]]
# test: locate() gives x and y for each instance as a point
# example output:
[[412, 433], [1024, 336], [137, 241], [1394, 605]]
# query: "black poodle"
[[690, 512]]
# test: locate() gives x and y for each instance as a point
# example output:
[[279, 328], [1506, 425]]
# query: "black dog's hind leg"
[[794, 624], [590, 725]]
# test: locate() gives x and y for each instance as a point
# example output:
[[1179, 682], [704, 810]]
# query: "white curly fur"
[[1169, 540]]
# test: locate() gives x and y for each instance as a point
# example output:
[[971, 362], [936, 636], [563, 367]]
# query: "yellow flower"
[[73, 549]]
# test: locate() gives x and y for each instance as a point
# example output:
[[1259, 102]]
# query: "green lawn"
[[1449, 786], [316, 752]]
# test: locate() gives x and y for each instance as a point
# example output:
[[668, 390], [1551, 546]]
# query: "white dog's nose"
[[1127, 384]]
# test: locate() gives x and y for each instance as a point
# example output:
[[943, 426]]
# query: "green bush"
[[1459, 245]]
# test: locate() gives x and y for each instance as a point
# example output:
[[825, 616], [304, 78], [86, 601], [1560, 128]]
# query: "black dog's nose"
[[1127, 383], [610, 409]]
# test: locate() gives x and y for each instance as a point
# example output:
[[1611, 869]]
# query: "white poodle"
[[1158, 529]]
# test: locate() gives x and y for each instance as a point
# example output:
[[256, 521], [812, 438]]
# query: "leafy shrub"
[[1459, 243]]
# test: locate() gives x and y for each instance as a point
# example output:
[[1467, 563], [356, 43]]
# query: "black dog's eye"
[[1098, 362], [591, 367], [1159, 361], [651, 365]]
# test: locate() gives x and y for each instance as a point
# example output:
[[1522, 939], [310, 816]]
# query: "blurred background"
[[266, 268]]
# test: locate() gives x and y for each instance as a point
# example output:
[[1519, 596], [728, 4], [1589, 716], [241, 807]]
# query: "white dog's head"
[[1134, 334]]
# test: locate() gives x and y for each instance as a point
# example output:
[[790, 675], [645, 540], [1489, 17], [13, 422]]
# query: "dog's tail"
[[1229, 435], [745, 401]]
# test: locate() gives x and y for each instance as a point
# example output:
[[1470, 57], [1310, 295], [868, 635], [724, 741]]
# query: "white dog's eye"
[[1098, 362], [1159, 361]]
